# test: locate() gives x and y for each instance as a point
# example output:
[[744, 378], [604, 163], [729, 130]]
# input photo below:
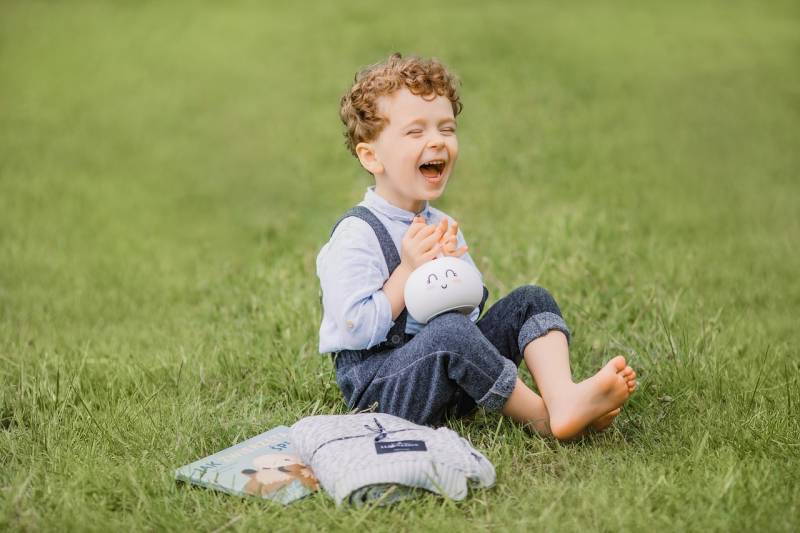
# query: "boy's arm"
[[353, 277], [394, 289], [352, 271]]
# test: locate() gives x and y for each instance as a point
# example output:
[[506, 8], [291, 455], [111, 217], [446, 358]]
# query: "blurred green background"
[[169, 170]]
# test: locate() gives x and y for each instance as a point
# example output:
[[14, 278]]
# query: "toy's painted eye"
[[448, 271], [434, 276]]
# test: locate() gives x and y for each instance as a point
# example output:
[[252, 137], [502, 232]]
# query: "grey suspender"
[[397, 335]]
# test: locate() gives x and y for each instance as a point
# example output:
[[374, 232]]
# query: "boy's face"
[[415, 153]]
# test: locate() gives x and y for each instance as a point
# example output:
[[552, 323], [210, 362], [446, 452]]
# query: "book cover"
[[264, 466]]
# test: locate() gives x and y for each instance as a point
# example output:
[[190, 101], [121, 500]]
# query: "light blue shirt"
[[356, 314]]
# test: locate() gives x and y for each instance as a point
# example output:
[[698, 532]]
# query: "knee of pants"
[[454, 332], [462, 341], [538, 298]]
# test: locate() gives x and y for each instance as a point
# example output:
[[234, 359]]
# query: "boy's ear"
[[369, 160]]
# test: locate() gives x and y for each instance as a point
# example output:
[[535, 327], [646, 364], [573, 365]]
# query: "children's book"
[[264, 466]]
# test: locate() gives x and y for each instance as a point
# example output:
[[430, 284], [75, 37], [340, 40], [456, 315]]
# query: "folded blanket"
[[381, 494], [359, 457]]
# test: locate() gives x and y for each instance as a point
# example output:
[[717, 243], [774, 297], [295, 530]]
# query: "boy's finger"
[[413, 230], [428, 229], [454, 228], [425, 234], [432, 253], [428, 241], [457, 253], [417, 228]]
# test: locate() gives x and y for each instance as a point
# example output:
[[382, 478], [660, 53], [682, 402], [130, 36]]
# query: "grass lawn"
[[168, 172]]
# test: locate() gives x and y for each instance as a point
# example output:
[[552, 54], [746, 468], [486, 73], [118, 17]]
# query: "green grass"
[[169, 171]]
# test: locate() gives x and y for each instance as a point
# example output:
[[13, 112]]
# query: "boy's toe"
[[617, 363]]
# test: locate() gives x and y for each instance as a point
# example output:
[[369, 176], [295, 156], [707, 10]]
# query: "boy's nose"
[[436, 141]]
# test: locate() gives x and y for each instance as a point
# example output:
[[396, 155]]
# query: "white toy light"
[[440, 285]]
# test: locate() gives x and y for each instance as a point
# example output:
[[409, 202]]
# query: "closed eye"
[[414, 132], [434, 276], [448, 271]]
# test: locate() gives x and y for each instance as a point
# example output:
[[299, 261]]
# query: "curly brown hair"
[[358, 107]]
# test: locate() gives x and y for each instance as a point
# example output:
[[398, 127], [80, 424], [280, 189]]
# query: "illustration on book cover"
[[264, 466]]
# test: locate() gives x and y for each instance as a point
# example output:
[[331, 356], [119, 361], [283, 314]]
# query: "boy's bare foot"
[[604, 421], [594, 399], [597, 426]]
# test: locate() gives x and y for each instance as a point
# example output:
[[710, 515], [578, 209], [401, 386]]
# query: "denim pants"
[[453, 364]]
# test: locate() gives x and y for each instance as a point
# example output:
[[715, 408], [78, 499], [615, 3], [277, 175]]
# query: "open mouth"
[[433, 169]]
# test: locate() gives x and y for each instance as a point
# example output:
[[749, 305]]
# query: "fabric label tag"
[[400, 446]]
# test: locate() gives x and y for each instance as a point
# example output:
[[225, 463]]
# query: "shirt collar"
[[380, 204]]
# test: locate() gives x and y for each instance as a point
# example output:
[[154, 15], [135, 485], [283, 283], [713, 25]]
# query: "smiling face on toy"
[[439, 279], [441, 285]]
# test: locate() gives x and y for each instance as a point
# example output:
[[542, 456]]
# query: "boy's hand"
[[449, 240], [420, 243]]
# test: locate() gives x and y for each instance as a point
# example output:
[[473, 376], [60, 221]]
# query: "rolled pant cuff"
[[496, 398], [539, 325]]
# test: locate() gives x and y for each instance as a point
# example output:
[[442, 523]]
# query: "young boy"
[[400, 117]]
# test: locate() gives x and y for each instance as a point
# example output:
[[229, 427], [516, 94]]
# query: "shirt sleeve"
[[352, 272]]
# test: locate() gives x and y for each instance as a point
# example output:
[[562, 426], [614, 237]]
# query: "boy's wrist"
[[395, 286], [404, 270]]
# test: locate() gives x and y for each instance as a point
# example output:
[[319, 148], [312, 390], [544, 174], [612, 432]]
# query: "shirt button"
[[350, 324], [395, 339]]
